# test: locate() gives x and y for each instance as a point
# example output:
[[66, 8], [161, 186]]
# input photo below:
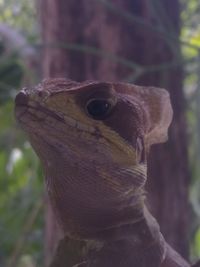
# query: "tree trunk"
[[128, 40]]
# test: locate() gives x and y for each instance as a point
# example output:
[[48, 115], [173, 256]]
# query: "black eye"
[[98, 109]]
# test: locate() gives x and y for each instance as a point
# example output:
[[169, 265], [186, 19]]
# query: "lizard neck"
[[136, 244], [93, 207]]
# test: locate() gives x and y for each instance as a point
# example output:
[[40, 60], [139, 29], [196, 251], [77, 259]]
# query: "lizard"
[[93, 138]]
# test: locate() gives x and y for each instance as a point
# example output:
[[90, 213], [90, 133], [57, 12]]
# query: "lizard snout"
[[21, 98]]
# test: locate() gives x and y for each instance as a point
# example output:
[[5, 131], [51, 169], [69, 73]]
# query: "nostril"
[[21, 98]]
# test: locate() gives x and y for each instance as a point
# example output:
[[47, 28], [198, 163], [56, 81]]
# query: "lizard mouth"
[[26, 114], [38, 120], [24, 107]]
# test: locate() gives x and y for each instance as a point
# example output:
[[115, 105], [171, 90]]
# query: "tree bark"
[[129, 37]]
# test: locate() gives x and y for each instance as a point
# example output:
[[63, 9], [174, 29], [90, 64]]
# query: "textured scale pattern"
[[95, 167]]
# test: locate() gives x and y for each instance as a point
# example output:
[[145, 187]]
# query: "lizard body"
[[92, 139]]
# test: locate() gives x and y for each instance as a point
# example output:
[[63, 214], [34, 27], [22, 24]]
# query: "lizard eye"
[[98, 109]]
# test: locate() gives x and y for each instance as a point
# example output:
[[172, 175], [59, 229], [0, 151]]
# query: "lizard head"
[[96, 129], [115, 122]]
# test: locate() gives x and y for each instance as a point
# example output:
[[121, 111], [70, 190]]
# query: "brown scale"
[[92, 139]]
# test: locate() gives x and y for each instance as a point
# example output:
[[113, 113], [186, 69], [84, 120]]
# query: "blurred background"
[[155, 43]]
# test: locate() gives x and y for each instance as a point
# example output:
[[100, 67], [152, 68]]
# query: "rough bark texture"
[[112, 30]]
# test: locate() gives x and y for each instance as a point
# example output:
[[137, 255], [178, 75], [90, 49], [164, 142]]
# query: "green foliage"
[[191, 34], [20, 14], [11, 74], [20, 189], [21, 183], [196, 245]]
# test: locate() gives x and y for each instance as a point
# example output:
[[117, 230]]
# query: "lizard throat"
[[106, 200]]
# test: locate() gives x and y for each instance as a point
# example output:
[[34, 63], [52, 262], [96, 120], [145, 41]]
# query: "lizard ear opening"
[[158, 113]]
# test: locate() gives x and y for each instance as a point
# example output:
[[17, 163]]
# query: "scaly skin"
[[95, 166]]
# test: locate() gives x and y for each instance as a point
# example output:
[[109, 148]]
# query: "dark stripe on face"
[[127, 121]]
